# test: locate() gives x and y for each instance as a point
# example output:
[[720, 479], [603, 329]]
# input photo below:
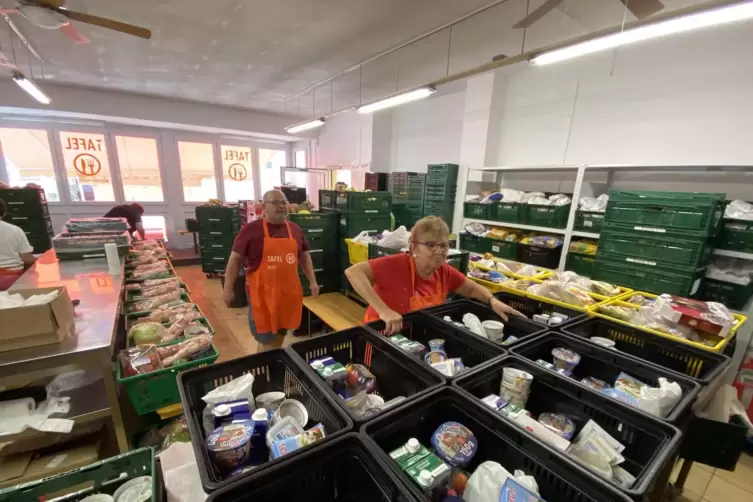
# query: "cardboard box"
[[695, 314], [36, 325], [23, 468]]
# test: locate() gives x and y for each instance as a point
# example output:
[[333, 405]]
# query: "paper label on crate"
[[642, 262], [652, 229], [315, 230], [694, 289], [495, 248], [60, 425], [588, 223], [56, 461]]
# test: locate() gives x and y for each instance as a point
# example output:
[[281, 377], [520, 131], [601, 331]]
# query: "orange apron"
[[274, 288], [8, 277], [416, 302]]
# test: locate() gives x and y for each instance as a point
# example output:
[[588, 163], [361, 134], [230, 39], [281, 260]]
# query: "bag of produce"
[[140, 360], [183, 352], [162, 289], [151, 283], [153, 303], [154, 273], [165, 314], [147, 333], [176, 329]]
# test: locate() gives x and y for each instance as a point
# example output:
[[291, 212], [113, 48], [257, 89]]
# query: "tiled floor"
[[233, 339]]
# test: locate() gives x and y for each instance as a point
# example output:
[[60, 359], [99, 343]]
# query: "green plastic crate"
[[503, 249], [328, 198], [643, 277], [105, 476], [215, 255], [477, 210], [352, 224], [444, 210], [509, 212], [213, 268], [157, 389], [736, 235], [217, 214], [460, 261], [443, 176], [211, 240], [475, 244], [691, 213], [322, 221], [545, 216], [192, 224], [589, 221], [365, 201], [580, 263], [668, 248], [734, 296]]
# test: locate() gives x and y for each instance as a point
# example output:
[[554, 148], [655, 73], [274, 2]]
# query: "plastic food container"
[[565, 359], [559, 424]]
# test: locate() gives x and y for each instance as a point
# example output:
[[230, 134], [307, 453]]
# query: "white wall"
[[427, 132], [344, 140]]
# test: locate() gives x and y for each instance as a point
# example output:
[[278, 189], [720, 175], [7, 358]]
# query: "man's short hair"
[[138, 207]]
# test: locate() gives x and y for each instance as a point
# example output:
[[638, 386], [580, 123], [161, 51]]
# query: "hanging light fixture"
[[31, 88], [313, 124], [398, 99], [682, 24]]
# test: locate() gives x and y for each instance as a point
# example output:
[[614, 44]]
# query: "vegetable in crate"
[[184, 350], [140, 360], [153, 273], [176, 329], [155, 302], [148, 333], [166, 314]]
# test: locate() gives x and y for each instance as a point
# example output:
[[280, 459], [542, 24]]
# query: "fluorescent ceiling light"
[[31, 88], [305, 126], [399, 99], [704, 19]]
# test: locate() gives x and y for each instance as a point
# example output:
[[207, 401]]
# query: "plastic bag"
[[363, 238], [660, 400], [161, 289], [398, 239], [176, 329], [527, 271], [560, 199], [234, 390], [166, 314], [739, 210], [140, 360], [474, 324], [184, 350], [155, 302], [486, 482], [150, 283]]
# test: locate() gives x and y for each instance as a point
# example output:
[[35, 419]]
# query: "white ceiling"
[[254, 54]]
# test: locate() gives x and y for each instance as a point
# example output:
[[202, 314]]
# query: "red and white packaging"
[[698, 315]]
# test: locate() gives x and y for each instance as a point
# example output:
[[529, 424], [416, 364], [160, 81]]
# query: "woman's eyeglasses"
[[443, 247]]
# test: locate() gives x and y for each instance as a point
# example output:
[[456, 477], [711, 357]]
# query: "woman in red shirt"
[[421, 278]]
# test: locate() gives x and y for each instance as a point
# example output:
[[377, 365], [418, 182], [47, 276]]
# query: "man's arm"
[[308, 270], [231, 274], [140, 230], [28, 259]]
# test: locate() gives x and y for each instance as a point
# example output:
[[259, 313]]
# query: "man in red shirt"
[[272, 249]]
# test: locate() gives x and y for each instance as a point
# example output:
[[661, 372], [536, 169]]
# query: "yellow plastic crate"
[[600, 300], [623, 290], [719, 343], [542, 272], [493, 287], [357, 252]]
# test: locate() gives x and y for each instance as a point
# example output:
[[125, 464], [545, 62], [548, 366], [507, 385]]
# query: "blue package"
[[512, 491], [621, 395]]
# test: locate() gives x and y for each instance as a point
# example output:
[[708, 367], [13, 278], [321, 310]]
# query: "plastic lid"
[[327, 371], [260, 414], [317, 364], [425, 478], [413, 445], [222, 410]]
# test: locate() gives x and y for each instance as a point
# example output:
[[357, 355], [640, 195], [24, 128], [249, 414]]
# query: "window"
[[237, 173], [139, 169], [197, 171], [87, 166], [270, 162], [154, 226], [28, 159], [300, 158]]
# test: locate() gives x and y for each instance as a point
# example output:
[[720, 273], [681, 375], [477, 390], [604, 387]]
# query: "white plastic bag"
[[234, 390], [363, 238], [660, 400], [397, 239], [473, 323], [527, 481], [486, 482]]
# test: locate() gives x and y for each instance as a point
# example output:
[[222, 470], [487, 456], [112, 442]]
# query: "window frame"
[[140, 133], [235, 142], [210, 140]]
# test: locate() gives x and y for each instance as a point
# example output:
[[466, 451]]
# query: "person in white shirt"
[[15, 251]]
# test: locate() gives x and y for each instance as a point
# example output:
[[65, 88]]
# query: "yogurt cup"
[[435, 356], [596, 384], [565, 359], [99, 497], [293, 409], [270, 401], [436, 344], [603, 342], [516, 380], [494, 330], [136, 490], [559, 424]]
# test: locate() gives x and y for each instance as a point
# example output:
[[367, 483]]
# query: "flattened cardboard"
[[36, 325], [47, 465]]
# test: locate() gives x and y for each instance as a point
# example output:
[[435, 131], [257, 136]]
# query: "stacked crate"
[[659, 242], [375, 182], [321, 231], [407, 191], [27, 209], [218, 226], [441, 186]]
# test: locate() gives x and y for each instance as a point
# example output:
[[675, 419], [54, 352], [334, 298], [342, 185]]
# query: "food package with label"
[[707, 317], [568, 293]]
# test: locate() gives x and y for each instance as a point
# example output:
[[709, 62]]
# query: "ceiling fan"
[[53, 15], [639, 8]]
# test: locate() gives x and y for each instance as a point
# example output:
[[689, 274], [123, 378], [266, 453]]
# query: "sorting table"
[[89, 347]]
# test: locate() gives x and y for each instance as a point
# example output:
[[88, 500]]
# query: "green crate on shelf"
[[475, 244], [365, 201], [328, 198], [377, 251], [209, 214], [157, 389], [668, 248], [588, 221], [218, 227], [215, 255], [192, 224], [736, 235], [580, 263], [213, 239], [544, 216], [442, 175], [691, 213], [644, 277], [509, 212], [317, 220], [477, 210], [352, 224], [503, 249], [734, 296], [213, 268]]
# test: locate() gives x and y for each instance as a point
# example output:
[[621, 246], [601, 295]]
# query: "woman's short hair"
[[429, 225]]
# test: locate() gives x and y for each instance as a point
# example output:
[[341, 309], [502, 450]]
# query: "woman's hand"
[[502, 309], [393, 322]]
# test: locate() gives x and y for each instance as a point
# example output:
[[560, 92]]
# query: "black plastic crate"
[[498, 441], [649, 442], [606, 365], [531, 307], [539, 256], [397, 373], [713, 443], [515, 326], [700, 365], [422, 327], [345, 469], [273, 371], [376, 182]]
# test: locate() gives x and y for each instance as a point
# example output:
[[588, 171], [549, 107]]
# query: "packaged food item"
[[437, 344], [595, 383], [294, 409], [450, 367], [229, 445], [546, 364], [140, 360], [425, 468], [259, 450], [494, 402], [510, 339], [540, 318], [622, 477], [184, 351], [511, 411], [707, 317], [629, 384], [594, 438], [360, 377], [454, 443], [287, 427], [232, 411], [559, 424], [237, 389], [135, 490], [541, 431], [512, 490], [410, 346], [603, 342], [494, 330], [330, 370], [148, 333], [555, 321], [285, 446], [435, 357], [565, 358]]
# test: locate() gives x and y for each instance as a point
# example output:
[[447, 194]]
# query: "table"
[[195, 240], [335, 310], [90, 347]]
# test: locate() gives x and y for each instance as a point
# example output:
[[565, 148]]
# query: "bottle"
[[259, 450]]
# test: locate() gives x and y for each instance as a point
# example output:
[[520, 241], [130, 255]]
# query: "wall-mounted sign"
[[87, 164], [237, 172], [236, 163]]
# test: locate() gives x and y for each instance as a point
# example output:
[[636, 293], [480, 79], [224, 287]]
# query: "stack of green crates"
[[27, 209], [441, 187], [321, 232], [218, 226], [407, 197], [658, 242]]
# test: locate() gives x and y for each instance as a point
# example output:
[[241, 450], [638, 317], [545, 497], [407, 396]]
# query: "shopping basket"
[[531, 307]]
